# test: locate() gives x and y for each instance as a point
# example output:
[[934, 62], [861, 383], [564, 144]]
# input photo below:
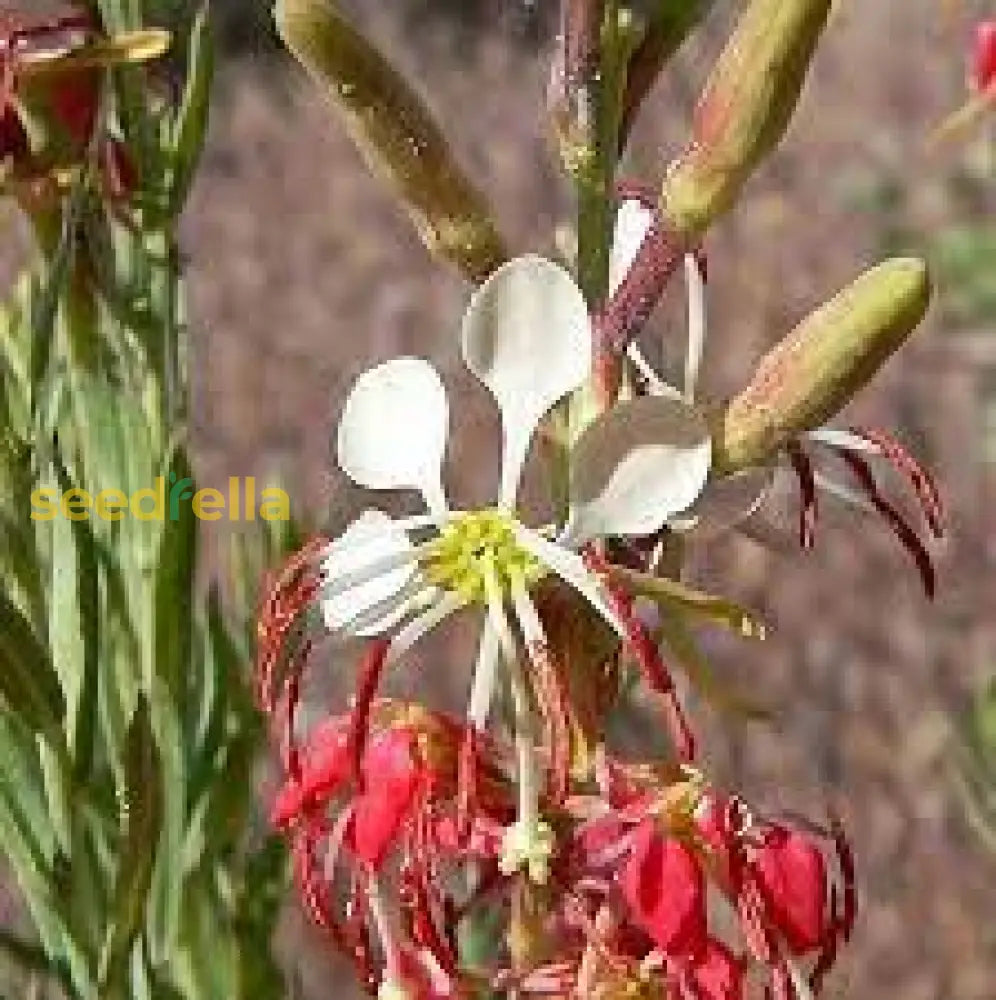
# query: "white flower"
[[839, 463], [527, 338]]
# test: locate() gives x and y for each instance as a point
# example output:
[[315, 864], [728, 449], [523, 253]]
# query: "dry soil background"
[[303, 274]]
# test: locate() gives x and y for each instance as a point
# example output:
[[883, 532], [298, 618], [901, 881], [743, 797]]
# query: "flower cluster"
[[407, 825]]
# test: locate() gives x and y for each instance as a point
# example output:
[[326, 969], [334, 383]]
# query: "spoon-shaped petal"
[[372, 537], [640, 464], [393, 429], [527, 338]]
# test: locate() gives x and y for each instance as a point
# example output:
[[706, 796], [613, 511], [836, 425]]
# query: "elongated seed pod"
[[745, 110], [819, 367], [396, 134]]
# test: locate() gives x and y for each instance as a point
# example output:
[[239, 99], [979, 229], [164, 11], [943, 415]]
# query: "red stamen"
[[808, 512], [370, 672], [468, 782], [285, 594], [908, 537], [845, 860], [553, 697], [923, 484], [647, 655]]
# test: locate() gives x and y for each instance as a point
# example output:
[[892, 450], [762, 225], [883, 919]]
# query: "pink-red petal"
[[391, 783], [665, 889], [792, 877], [718, 974]]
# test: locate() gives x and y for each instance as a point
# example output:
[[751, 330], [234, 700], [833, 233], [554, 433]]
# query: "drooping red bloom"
[[984, 56], [665, 889], [792, 874]]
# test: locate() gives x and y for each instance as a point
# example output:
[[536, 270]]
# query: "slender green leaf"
[[141, 822], [190, 127], [28, 682]]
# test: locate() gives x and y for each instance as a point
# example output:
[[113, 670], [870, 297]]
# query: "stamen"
[[370, 673], [923, 484], [808, 512], [907, 536], [528, 790], [550, 688], [647, 656], [571, 568], [408, 636], [482, 692], [482, 689]]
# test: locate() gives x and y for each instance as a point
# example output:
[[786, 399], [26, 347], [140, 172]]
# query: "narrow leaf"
[[141, 820], [672, 594], [190, 127]]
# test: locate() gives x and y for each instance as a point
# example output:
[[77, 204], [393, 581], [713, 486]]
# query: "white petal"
[[695, 284], [844, 439], [725, 503], [643, 462], [527, 338], [633, 222], [372, 539], [415, 598], [392, 434]]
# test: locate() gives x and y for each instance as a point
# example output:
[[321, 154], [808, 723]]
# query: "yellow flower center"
[[459, 559]]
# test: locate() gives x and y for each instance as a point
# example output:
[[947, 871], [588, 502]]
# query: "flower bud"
[[815, 371], [396, 134], [745, 109]]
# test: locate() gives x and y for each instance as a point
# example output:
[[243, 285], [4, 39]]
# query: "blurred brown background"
[[302, 273]]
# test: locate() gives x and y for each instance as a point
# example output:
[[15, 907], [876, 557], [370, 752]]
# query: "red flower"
[[718, 974], [665, 890], [391, 778], [792, 876], [984, 56], [325, 764]]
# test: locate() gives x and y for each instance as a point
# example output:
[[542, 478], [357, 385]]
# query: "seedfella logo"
[[157, 503]]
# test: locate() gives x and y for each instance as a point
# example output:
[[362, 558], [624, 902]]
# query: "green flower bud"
[[829, 357], [396, 134], [745, 110]]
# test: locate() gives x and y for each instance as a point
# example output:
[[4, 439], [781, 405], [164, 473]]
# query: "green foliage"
[[977, 763], [127, 732], [966, 261]]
